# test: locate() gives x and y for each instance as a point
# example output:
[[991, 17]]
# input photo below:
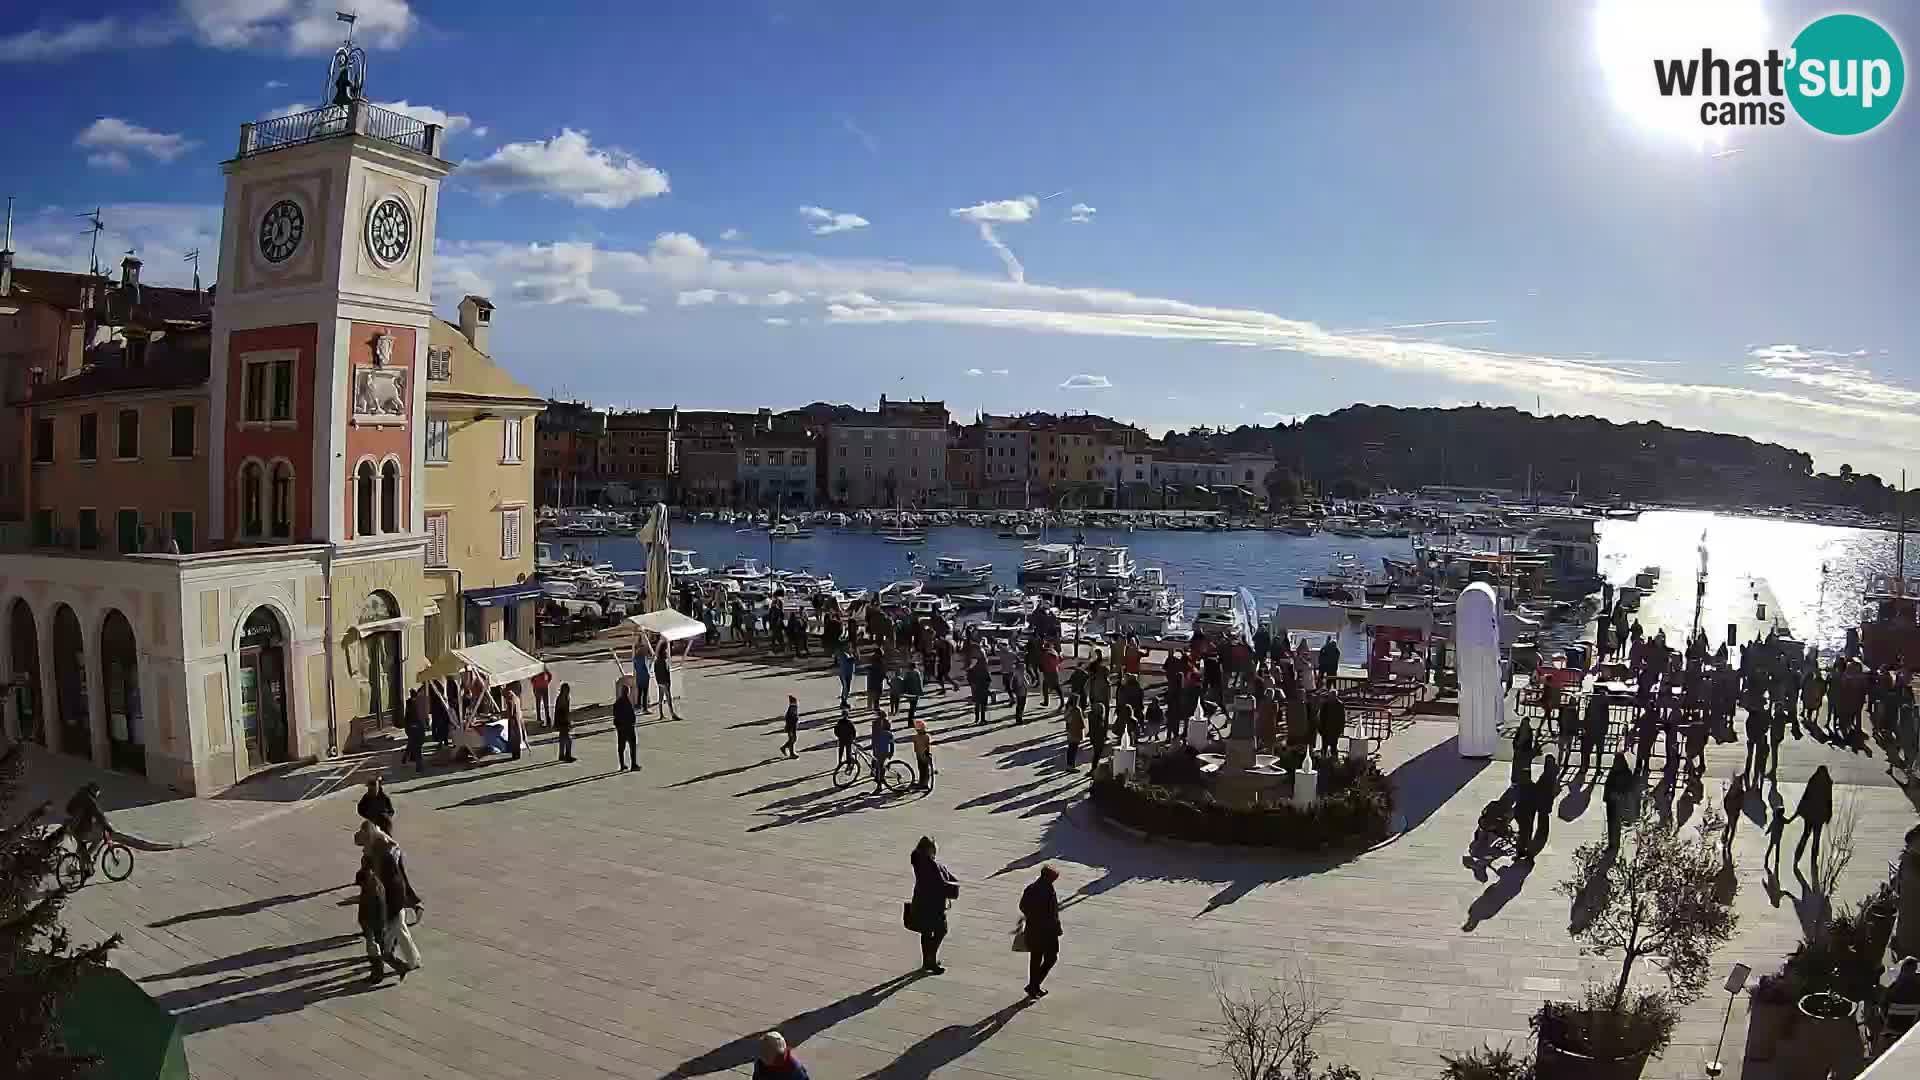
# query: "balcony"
[[361, 118]]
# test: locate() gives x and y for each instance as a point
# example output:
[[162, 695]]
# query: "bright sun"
[[1630, 34]]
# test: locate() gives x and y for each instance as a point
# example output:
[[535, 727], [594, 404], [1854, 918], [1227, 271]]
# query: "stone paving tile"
[[588, 923]]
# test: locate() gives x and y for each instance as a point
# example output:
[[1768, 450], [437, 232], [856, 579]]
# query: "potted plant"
[[1657, 896], [1487, 1063], [1834, 970], [1877, 913], [1770, 1014]]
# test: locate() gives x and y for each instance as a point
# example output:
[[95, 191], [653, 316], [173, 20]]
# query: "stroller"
[[1495, 834]]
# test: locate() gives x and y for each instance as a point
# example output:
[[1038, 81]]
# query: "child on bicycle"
[[86, 822], [882, 747]]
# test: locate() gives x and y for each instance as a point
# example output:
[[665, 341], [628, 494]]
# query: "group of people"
[[1037, 933], [386, 893]]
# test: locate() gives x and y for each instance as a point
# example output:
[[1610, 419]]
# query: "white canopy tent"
[[502, 662]]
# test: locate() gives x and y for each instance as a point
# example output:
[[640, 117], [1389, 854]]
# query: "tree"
[[42, 967], [1283, 487], [1269, 1033], [1662, 896]]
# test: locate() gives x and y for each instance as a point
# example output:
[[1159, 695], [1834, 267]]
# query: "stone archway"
[[29, 712], [71, 710], [379, 689], [120, 683], [263, 693]]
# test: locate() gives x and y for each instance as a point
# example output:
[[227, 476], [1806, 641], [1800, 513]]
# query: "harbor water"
[[1815, 575]]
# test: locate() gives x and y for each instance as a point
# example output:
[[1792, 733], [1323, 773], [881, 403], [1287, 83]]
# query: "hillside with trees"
[[1366, 448]]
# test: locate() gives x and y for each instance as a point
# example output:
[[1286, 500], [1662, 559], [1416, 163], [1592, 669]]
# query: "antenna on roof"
[[194, 258], [96, 228]]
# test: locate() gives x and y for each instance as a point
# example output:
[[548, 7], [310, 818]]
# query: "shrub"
[[1609, 1026], [1356, 812], [1836, 958], [1175, 769], [1487, 1063]]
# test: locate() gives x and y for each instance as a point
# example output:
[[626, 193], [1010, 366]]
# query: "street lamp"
[[1736, 981]]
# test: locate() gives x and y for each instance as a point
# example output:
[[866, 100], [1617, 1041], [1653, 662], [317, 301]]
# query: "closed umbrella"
[[659, 582]]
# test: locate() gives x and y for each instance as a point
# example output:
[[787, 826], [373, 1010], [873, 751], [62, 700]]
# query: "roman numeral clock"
[[389, 231], [281, 228]]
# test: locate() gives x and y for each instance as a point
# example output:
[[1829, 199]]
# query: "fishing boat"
[[901, 534], [1111, 564], [1344, 581], [1343, 526], [899, 592], [1149, 606], [1047, 562], [1300, 526], [1013, 606], [949, 573], [927, 605], [680, 566], [1226, 613]]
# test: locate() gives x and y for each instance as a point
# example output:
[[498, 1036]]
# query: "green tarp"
[[111, 1017]]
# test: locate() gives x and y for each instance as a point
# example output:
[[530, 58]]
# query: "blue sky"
[[1285, 209]]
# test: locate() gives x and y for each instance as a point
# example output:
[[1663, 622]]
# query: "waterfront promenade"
[[585, 922]]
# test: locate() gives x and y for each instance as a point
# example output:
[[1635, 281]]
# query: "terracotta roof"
[[158, 305], [166, 369]]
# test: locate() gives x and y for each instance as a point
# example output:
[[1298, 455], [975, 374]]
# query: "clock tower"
[[318, 371], [318, 375]]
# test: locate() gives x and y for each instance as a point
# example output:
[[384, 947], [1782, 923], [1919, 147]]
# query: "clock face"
[[280, 230], [389, 231]]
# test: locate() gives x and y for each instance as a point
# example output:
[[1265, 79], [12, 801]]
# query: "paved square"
[[583, 922]]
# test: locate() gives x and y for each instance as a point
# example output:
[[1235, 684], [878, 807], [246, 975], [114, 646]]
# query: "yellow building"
[[479, 472]]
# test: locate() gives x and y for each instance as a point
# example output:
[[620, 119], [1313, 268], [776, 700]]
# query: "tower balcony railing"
[[334, 121]]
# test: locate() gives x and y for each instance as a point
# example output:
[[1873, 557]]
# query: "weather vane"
[[347, 73]]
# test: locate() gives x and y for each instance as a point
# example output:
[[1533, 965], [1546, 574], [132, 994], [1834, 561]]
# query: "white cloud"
[[775, 320], [453, 123], [731, 235], [973, 373], [827, 222], [284, 26], [780, 298], [985, 216], [872, 144], [276, 84], [702, 297], [568, 166], [999, 371], [555, 274], [1086, 382], [1081, 214], [870, 292], [116, 139], [160, 233], [110, 160]]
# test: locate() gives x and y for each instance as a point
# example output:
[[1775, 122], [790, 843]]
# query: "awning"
[[501, 662], [504, 594], [668, 624]]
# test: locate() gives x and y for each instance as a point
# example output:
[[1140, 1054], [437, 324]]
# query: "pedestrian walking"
[[843, 665], [923, 754], [843, 733], [792, 721], [1776, 831], [1814, 811], [1617, 796], [943, 659], [516, 725], [876, 677], [1017, 687], [373, 921], [642, 679], [419, 715], [1156, 720], [563, 722], [880, 745], [912, 685], [933, 889], [1050, 674], [1097, 735], [376, 807], [1333, 724], [776, 1060], [1040, 919], [797, 633], [383, 858], [1731, 804], [442, 717], [663, 674], [1759, 732], [1541, 795], [1593, 733], [624, 723], [1076, 726], [981, 684], [1525, 746], [542, 703]]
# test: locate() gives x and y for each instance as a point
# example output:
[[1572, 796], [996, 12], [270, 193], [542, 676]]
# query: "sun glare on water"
[[1630, 34]]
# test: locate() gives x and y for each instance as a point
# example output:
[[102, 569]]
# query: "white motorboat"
[[900, 592], [787, 530], [927, 605], [1013, 606], [949, 573], [901, 534], [1105, 564], [1226, 613], [745, 570], [680, 566], [1047, 562]]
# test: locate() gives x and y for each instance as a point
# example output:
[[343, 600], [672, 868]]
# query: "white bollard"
[[1305, 787], [1197, 735], [1123, 760]]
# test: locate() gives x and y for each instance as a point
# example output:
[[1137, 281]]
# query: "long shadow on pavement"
[[247, 908], [719, 774], [232, 1003], [797, 1029], [508, 796], [266, 954], [1509, 879], [946, 1046], [1423, 784]]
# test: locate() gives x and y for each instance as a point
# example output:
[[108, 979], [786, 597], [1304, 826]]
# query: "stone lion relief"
[[378, 396]]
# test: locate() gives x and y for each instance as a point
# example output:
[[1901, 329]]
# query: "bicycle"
[[898, 775], [113, 858]]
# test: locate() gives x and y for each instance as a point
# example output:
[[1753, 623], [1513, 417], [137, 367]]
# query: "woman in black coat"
[[1814, 811], [933, 887], [1040, 907], [563, 721], [376, 806], [1618, 792]]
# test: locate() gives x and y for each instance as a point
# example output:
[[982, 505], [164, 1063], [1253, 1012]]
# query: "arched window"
[[282, 500], [390, 497], [364, 499], [250, 484]]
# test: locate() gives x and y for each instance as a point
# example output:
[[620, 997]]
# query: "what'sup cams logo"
[[1843, 75]]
